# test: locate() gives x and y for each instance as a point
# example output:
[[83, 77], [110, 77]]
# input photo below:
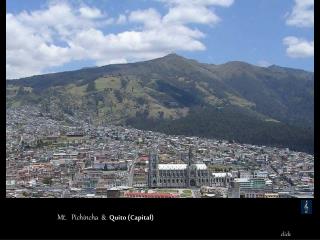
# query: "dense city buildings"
[[47, 157]]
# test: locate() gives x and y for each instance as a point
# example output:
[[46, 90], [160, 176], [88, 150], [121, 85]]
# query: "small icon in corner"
[[306, 207]]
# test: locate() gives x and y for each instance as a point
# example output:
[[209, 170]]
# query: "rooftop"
[[201, 166], [175, 166], [172, 166], [221, 175]]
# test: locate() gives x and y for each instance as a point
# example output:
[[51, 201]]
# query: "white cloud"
[[193, 11], [28, 52], [88, 12], [302, 14], [59, 19], [191, 14], [149, 17], [222, 3], [113, 61], [263, 63], [60, 33], [298, 47], [34, 39]]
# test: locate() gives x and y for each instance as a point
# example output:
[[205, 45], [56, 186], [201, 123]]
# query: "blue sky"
[[59, 35]]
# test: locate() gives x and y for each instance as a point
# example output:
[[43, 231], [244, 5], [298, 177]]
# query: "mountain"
[[235, 101]]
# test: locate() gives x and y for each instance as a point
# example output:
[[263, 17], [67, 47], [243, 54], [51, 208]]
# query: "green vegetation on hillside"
[[235, 101], [232, 123]]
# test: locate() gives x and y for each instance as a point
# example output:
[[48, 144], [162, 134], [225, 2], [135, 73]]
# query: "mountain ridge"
[[170, 55], [167, 93]]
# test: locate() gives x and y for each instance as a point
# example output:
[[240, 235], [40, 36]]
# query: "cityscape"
[[109, 103], [160, 99], [49, 158]]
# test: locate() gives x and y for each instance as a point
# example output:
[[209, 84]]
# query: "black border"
[[173, 218]]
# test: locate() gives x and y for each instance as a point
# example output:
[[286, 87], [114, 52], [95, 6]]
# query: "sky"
[[61, 35]]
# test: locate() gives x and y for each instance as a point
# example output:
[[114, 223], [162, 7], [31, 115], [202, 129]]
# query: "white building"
[[221, 179]]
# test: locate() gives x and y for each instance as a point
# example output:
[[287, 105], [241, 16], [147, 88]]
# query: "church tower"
[[191, 171], [190, 157], [189, 167], [153, 170]]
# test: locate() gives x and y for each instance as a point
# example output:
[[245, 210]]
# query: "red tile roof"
[[144, 158]]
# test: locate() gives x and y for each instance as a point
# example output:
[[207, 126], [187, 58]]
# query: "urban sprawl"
[[47, 158]]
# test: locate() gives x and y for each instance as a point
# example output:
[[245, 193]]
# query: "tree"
[[25, 194]]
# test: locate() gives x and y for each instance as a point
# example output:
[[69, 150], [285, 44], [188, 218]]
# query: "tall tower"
[[153, 170], [190, 157], [189, 166]]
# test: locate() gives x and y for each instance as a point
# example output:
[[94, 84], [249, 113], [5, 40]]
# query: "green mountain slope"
[[236, 100], [234, 124]]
